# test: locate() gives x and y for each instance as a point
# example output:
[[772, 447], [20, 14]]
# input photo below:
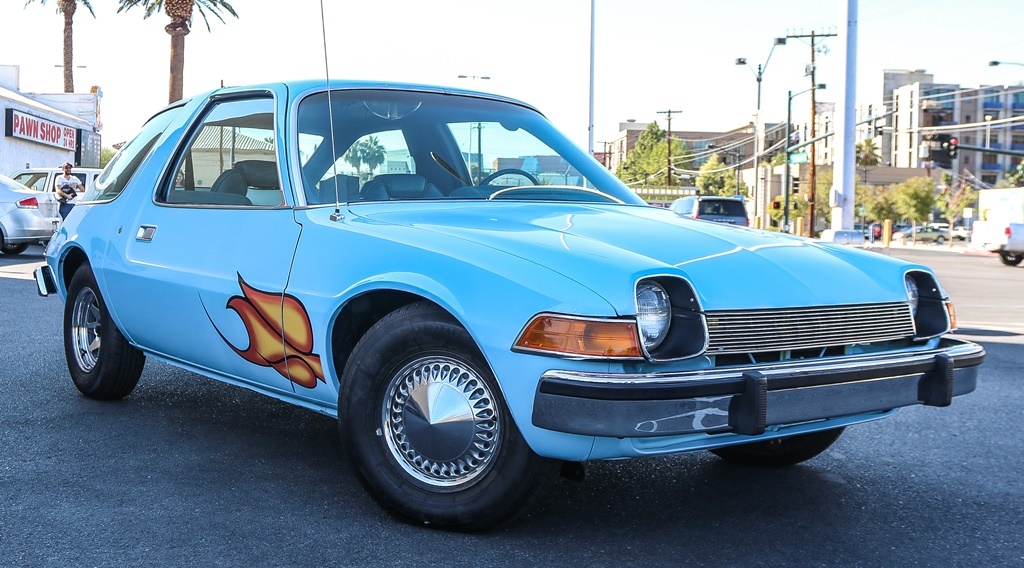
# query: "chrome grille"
[[753, 331]]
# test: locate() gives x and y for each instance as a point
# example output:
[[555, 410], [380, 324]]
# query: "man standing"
[[67, 187]]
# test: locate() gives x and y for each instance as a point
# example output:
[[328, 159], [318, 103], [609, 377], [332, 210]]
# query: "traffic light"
[[944, 150]]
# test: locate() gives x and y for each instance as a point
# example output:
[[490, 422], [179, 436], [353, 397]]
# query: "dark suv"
[[730, 210]]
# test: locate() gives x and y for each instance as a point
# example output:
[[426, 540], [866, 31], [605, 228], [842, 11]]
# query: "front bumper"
[[45, 283], [747, 400]]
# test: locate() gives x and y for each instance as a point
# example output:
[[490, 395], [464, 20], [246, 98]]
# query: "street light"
[[759, 73], [997, 63], [785, 175]]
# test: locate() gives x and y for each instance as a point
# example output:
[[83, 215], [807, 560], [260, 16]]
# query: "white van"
[[41, 179]]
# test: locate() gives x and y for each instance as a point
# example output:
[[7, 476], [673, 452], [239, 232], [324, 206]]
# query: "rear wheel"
[[940, 240], [12, 248], [103, 365], [780, 451], [427, 429], [1010, 259]]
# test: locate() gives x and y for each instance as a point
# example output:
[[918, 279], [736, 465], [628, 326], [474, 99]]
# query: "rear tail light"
[[748, 221], [1008, 232], [28, 203]]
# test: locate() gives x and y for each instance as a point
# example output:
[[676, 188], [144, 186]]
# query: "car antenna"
[[336, 216]]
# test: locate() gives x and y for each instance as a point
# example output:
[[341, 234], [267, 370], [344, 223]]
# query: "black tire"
[[1010, 259], [13, 248], [464, 474], [780, 452], [940, 240], [103, 365]]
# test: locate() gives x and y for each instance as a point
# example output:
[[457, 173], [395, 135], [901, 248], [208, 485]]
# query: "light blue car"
[[478, 301]]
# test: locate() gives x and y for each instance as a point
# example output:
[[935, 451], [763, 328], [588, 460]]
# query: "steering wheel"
[[507, 171]]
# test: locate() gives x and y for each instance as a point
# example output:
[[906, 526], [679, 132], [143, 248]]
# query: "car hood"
[[608, 247]]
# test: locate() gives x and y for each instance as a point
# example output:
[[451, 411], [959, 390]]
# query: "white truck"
[[1000, 224]]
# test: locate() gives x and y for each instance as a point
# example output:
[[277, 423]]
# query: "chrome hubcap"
[[440, 422], [85, 330]]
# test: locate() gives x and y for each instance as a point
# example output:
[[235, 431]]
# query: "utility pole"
[[668, 139], [814, 116]]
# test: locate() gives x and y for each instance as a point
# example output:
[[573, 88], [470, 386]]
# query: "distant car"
[[480, 320], [729, 210], [41, 179], [923, 234], [871, 230], [900, 228], [27, 216], [959, 232]]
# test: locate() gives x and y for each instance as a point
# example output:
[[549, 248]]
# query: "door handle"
[[145, 233]]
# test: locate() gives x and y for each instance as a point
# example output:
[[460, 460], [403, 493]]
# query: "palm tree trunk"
[[68, 9], [177, 64]]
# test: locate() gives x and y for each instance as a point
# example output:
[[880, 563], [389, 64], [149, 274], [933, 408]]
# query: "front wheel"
[[426, 427], [103, 365], [780, 452], [1010, 258]]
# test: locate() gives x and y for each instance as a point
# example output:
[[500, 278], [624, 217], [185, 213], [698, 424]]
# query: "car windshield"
[[401, 145]]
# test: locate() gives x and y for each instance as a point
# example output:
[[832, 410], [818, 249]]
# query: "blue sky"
[[651, 55]]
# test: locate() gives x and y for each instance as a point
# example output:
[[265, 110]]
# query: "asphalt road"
[[188, 471]]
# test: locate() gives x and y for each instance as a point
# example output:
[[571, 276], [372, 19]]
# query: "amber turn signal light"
[[577, 337], [951, 311]]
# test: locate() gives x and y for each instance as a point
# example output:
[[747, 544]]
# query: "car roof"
[[299, 88]]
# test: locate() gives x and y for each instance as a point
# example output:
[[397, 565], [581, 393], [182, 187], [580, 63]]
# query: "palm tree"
[[354, 157], [868, 154], [68, 8], [373, 153], [180, 12]]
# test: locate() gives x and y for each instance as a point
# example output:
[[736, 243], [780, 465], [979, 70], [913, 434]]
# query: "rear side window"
[[725, 207], [35, 180], [112, 181], [231, 160]]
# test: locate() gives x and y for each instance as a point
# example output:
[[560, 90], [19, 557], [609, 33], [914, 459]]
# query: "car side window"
[[115, 177], [231, 160], [36, 181]]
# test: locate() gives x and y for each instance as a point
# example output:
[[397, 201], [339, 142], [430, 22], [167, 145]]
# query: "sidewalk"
[[957, 247]]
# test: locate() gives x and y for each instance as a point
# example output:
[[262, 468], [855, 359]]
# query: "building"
[[738, 143], [47, 129], [990, 116]]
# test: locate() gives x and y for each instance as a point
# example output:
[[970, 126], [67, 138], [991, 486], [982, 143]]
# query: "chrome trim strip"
[[960, 349]]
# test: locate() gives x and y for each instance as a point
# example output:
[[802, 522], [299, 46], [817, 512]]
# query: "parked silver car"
[[27, 216]]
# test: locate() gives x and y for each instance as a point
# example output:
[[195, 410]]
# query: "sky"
[[649, 56]]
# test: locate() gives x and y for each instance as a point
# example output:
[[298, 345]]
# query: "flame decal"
[[269, 318]]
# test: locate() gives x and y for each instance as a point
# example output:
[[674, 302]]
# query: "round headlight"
[[912, 293], [653, 314]]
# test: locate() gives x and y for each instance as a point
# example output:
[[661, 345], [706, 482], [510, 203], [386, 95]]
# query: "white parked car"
[[27, 216], [41, 179]]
